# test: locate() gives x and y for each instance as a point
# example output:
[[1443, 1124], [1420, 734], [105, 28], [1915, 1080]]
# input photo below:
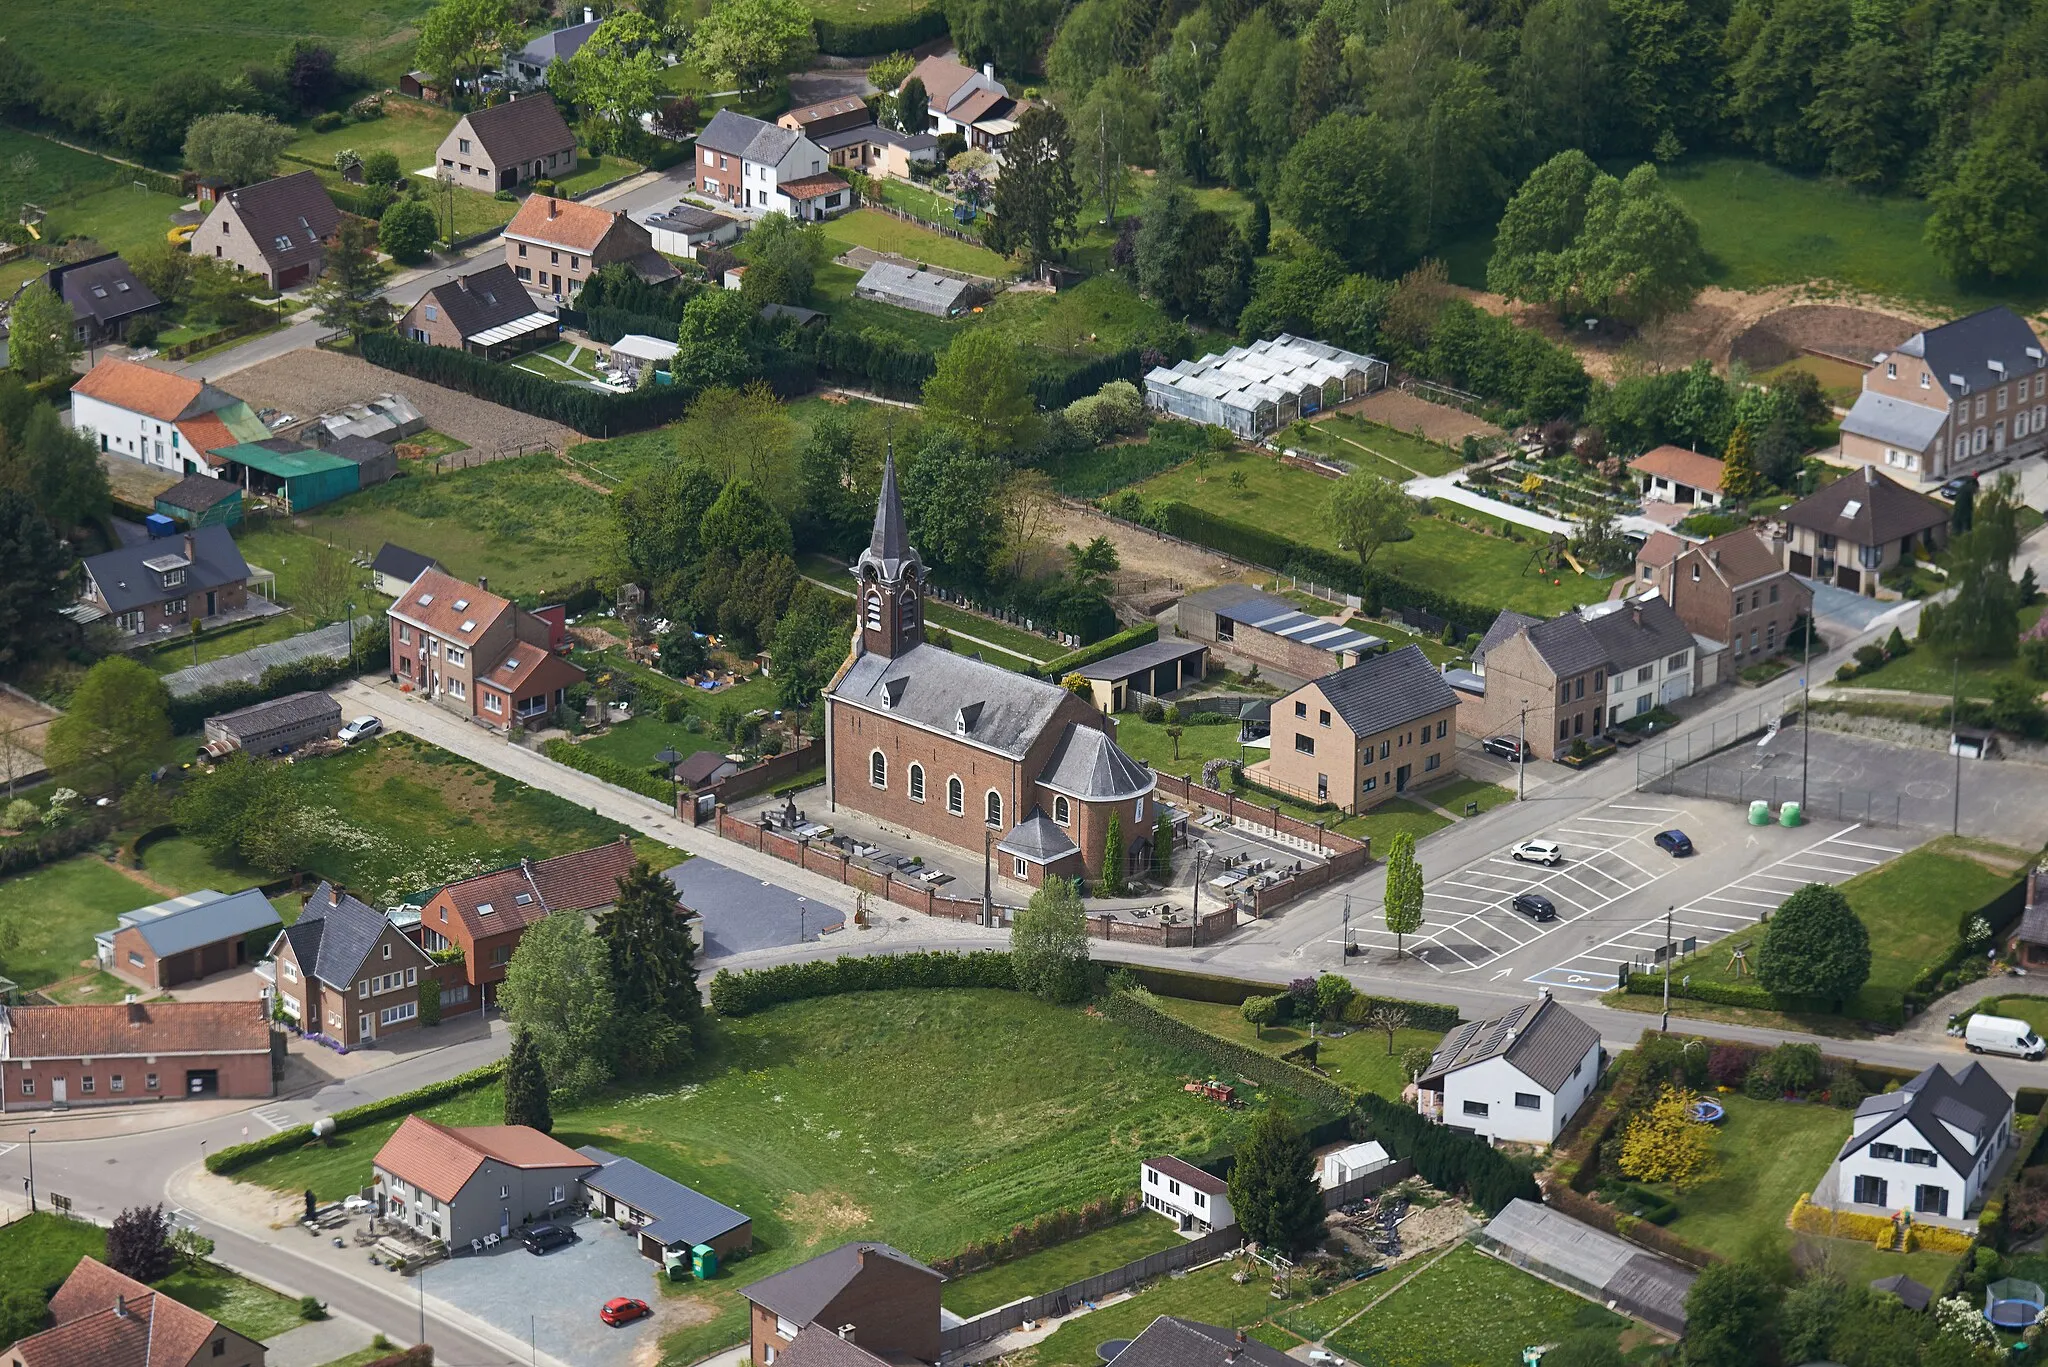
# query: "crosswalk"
[[276, 1117], [1731, 909]]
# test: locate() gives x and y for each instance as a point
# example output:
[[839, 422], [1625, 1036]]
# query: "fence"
[[973, 239], [1816, 799], [218, 336], [1443, 394], [464, 460], [1216, 1244], [1659, 760]]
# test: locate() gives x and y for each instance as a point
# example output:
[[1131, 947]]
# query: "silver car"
[[362, 728]]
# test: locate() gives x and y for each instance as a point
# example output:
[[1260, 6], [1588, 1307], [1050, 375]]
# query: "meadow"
[[82, 194]]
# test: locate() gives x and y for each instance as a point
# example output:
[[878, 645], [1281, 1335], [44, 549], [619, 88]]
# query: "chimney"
[[462, 283], [1717, 556], [553, 208], [188, 547], [1870, 474], [1635, 610], [988, 69], [483, 583], [1235, 1348], [846, 1332], [334, 894], [135, 1012], [120, 1306]]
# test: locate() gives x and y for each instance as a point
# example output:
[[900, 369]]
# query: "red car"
[[623, 1310]]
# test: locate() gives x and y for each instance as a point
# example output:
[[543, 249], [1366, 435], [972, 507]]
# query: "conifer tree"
[[1273, 1188], [526, 1086]]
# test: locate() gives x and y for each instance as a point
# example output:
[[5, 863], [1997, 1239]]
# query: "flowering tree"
[[1955, 1317], [1664, 1143]]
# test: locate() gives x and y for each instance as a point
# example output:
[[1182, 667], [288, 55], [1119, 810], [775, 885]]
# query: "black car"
[[1677, 843], [542, 1238], [1534, 907], [1507, 747], [1954, 488]]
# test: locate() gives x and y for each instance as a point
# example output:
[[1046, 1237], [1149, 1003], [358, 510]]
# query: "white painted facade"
[[1494, 1098], [122, 432], [1902, 1170], [1192, 1209], [1632, 692]]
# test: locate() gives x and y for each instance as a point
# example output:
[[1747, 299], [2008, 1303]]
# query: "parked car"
[[2002, 1035], [1677, 843], [1534, 907], [1323, 1357], [623, 1310], [362, 728], [1537, 852], [542, 1238], [1507, 747], [1954, 488]]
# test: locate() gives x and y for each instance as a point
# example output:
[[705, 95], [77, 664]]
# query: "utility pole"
[[988, 886], [1522, 755], [1666, 1026], [1805, 711], [420, 1274], [31, 1169], [1344, 945], [1955, 717], [1195, 915]]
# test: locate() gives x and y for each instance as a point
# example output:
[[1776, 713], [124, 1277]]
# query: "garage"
[[202, 1082], [294, 275]]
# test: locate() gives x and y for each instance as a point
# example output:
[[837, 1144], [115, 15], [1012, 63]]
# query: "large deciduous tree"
[[118, 718], [58, 466], [406, 231], [615, 76], [1727, 1314], [1368, 512], [240, 148], [1347, 190], [457, 35], [1990, 219], [949, 498], [1815, 947], [558, 989], [714, 338], [1403, 895], [743, 521], [247, 810], [43, 340], [1273, 1189], [1036, 200], [1049, 943], [750, 42], [1113, 130], [979, 390], [1534, 248]]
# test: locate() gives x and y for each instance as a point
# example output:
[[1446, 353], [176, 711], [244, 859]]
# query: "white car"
[[1537, 852], [362, 728], [1323, 1357]]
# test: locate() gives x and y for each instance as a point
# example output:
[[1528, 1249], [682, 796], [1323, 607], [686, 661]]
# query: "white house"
[[1195, 1201], [1929, 1147], [1649, 653], [1518, 1077], [761, 168], [160, 419], [1352, 1162]]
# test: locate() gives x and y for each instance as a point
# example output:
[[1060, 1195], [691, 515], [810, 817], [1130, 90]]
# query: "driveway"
[[553, 1299]]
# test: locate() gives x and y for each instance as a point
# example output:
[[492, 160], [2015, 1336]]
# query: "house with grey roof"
[[527, 69], [1850, 532], [290, 721], [1171, 1341], [1520, 1076], [157, 589], [760, 168], [396, 566], [186, 938], [503, 146], [276, 229], [668, 1216], [1930, 1147], [104, 295], [1955, 399], [1363, 734], [873, 1295], [1271, 632], [345, 972]]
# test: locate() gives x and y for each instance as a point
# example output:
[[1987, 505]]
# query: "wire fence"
[[1658, 759], [1723, 784]]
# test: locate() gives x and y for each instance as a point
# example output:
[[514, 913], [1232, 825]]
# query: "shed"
[[639, 346], [1591, 1261], [1155, 670], [682, 228], [187, 938], [375, 461], [201, 501], [299, 478], [942, 296], [291, 720], [1911, 1294], [1352, 1162], [667, 1213], [395, 567]]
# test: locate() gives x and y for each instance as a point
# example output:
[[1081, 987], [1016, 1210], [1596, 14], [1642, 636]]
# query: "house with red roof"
[[120, 1053], [476, 653], [104, 1319], [163, 420], [462, 1184]]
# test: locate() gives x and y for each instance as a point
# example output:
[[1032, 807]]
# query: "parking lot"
[[553, 1300], [739, 913]]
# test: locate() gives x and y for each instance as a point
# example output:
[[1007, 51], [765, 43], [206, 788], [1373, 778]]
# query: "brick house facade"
[[159, 588], [138, 1051], [882, 1299], [553, 245], [277, 229], [474, 653], [1734, 589], [1579, 673], [1364, 734], [344, 971], [1960, 397]]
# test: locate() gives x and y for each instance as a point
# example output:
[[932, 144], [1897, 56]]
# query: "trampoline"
[[1107, 1350], [1709, 1112], [2012, 1303]]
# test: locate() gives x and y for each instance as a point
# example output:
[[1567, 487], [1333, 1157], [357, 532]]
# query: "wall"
[[245, 1076], [758, 778]]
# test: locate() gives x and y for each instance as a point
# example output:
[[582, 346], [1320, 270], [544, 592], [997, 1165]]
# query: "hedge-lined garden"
[[757, 989], [236, 1157]]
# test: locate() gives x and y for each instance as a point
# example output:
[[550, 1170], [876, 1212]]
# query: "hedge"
[[614, 772], [874, 37], [1843, 1224], [587, 411], [1133, 1010], [609, 324], [1721, 994], [1209, 987], [372, 655], [1637, 1230], [27, 851], [870, 359], [1452, 1160], [757, 989], [1057, 668], [1058, 388], [238, 1156]]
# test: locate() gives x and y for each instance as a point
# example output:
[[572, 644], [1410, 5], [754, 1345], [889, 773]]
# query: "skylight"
[[469, 626], [461, 604], [523, 898], [426, 598], [284, 241], [99, 291], [1852, 507], [484, 909], [511, 662]]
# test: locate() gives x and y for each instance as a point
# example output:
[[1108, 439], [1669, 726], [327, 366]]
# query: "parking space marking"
[[6, 1149], [1886, 850], [277, 1117]]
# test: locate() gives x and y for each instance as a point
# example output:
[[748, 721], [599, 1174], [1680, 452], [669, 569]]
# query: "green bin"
[[1789, 815], [1759, 813], [704, 1262]]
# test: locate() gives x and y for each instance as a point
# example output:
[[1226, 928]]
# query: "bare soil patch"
[[27, 722], [1146, 554], [312, 381], [134, 483], [671, 1313], [1404, 412], [823, 1212]]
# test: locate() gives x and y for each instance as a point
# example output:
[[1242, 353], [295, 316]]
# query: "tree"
[[783, 256], [743, 521], [456, 36], [1810, 1315], [247, 810], [1739, 478], [1249, 105], [139, 1244], [1640, 255], [809, 646], [1534, 248], [1990, 219], [1345, 187], [1727, 1313], [1177, 242], [349, 295], [329, 581], [1403, 896], [1369, 511], [240, 148], [1162, 834], [118, 718], [714, 340], [1333, 993], [1815, 946], [1862, 112], [1665, 1143], [558, 989], [42, 342], [654, 971], [1036, 200], [526, 1086], [1260, 1012], [913, 107], [615, 75], [750, 42], [381, 167], [58, 466], [1113, 130], [741, 432], [1049, 943], [406, 231], [37, 577], [979, 389], [1010, 33], [1112, 882], [1273, 1189]]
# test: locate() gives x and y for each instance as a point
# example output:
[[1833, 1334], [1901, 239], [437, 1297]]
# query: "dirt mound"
[[1835, 329]]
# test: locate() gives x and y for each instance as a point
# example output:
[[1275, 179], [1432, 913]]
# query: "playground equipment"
[[32, 217], [2013, 1304], [1220, 1092], [1708, 1112]]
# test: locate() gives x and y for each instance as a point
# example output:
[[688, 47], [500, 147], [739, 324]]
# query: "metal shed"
[[1257, 389], [299, 479], [291, 720], [942, 296], [201, 501], [1592, 1262]]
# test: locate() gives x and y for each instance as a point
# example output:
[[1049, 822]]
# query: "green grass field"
[[638, 741], [84, 195], [1358, 1060], [1468, 1309], [216, 645], [37, 1252], [1208, 1295], [409, 130], [866, 228], [1397, 455], [2031, 1009], [865, 11], [288, 548], [57, 909], [1927, 670], [1468, 564], [563, 363], [1061, 1265], [1453, 796]]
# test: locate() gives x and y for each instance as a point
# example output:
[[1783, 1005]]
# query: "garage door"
[[1802, 563], [296, 275], [202, 1082]]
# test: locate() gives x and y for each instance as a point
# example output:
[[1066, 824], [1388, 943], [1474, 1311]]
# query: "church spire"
[[890, 542], [891, 576]]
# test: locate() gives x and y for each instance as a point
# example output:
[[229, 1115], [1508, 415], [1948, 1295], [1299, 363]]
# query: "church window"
[[917, 783], [1140, 813], [874, 611], [956, 797], [878, 769], [995, 808], [906, 614], [1061, 812]]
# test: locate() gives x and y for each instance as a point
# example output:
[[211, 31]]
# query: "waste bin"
[[676, 1263], [704, 1262], [1789, 814], [1759, 813]]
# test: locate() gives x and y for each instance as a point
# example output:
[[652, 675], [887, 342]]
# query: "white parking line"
[[1866, 845], [276, 1117], [6, 1149]]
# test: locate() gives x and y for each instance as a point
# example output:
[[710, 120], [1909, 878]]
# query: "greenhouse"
[[1255, 390]]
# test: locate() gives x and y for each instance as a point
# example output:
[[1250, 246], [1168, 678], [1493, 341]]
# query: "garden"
[[84, 195], [882, 233], [1358, 1059], [1399, 456], [53, 912]]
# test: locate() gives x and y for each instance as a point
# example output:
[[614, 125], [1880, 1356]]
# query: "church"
[[968, 752]]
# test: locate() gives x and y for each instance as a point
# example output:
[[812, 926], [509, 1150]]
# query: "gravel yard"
[[312, 381]]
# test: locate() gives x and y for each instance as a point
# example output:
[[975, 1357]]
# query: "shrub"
[[869, 37], [310, 1308], [1152, 711], [612, 771], [591, 413], [1447, 1158], [1728, 1065], [327, 122], [757, 989], [1794, 1068]]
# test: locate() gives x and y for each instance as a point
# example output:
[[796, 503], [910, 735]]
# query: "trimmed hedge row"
[[1057, 668], [587, 411], [1452, 1160], [1648, 1233], [47, 847], [874, 37], [1058, 388], [372, 656], [1721, 994], [757, 989], [869, 359], [1808, 1218], [1132, 1010], [1209, 987], [1999, 913], [238, 1156], [612, 771]]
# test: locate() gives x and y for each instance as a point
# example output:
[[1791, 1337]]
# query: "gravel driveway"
[[312, 381]]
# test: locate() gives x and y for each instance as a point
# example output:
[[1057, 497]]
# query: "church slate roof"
[[889, 548], [929, 686], [1089, 765], [1038, 840]]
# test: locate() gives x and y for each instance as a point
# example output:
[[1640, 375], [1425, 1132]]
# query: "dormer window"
[[964, 720], [173, 578]]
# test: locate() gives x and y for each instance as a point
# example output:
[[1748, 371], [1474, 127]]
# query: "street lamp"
[[1195, 914], [31, 1169], [802, 905], [1522, 755], [351, 631]]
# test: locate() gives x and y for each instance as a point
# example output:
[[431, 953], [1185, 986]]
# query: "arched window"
[[1061, 812], [874, 611], [878, 769], [906, 611], [995, 808], [956, 797], [917, 783]]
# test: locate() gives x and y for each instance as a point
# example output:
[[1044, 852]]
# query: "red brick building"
[[475, 653], [882, 1299], [141, 1051], [950, 746], [344, 971], [104, 1319]]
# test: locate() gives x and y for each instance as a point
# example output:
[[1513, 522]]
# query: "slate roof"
[[197, 493], [1867, 508], [1540, 1038], [889, 550], [1088, 764], [173, 930], [1635, 631], [1142, 658], [1038, 839], [1188, 1175], [1896, 422], [521, 129], [562, 42], [287, 217], [149, 1330], [102, 289], [2034, 920], [1915, 1296], [125, 583], [482, 300], [334, 935], [1386, 691], [105, 1031], [1972, 1101], [289, 710], [1505, 628], [1964, 348], [1171, 1341], [1567, 645], [738, 135], [802, 1292], [698, 769], [439, 1159], [680, 1214], [929, 686], [1680, 466], [400, 563]]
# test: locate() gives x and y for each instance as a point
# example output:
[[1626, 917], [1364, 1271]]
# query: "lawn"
[[288, 548], [217, 645], [179, 862], [1102, 314], [1359, 1060], [409, 130], [241, 1305], [866, 228], [564, 363], [121, 218], [1467, 1308], [1369, 444], [2031, 1009], [57, 909], [865, 11], [1208, 1295], [1453, 796], [1261, 492], [1061, 1265], [915, 199], [1924, 669], [1391, 818], [638, 741]]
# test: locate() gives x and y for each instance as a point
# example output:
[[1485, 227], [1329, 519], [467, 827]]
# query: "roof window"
[[484, 909], [523, 898], [1852, 507], [461, 604], [469, 626], [426, 598], [284, 241], [99, 291], [511, 662]]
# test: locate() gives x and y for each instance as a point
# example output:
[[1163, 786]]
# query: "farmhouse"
[[487, 313], [553, 245], [1961, 397], [104, 1319], [880, 1298], [1672, 474], [1195, 1201], [186, 938], [1239, 620], [135, 1051], [1850, 532], [1261, 388], [461, 1184], [160, 419], [1365, 733], [159, 588], [474, 653], [1734, 590], [1518, 1077], [763, 168], [1930, 1147], [942, 296], [502, 146], [949, 746], [277, 229], [344, 971], [288, 721], [671, 1217], [104, 295]]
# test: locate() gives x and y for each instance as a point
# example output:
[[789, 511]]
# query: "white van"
[[2002, 1035]]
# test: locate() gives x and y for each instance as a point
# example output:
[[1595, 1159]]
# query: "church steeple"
[[891, 577]]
